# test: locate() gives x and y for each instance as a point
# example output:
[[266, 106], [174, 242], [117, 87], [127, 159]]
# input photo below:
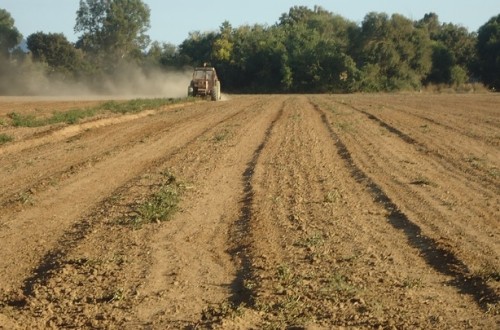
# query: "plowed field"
[[293, 211]]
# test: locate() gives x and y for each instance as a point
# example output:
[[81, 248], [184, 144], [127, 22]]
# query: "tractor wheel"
[[215, 93]]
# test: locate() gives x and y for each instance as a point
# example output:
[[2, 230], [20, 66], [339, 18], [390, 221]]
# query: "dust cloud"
[[127, 82], [134, 82]]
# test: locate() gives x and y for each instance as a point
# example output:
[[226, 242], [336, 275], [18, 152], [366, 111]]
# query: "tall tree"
[[10, 73], [56, 51], [394, 54], [113, 29], [9, 35], [198, 47], [488, 48], [318, 44], [454, 56]]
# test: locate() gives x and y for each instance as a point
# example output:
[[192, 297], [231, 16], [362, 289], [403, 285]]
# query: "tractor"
[[205, 83]]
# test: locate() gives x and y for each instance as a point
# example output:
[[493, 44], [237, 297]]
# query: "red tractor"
[[205, 83]]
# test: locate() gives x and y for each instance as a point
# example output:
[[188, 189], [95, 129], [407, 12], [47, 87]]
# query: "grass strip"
[[73, 116]]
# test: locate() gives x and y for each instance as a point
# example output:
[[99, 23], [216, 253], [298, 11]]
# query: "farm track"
[[297, 211]]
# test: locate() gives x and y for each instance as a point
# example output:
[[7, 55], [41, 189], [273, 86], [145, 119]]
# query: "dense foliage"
[[9, 35], [306, 50], [488, 47]]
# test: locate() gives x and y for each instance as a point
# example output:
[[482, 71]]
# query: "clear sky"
[[172, 20]]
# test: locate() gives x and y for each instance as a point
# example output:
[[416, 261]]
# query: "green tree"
[[113, 30], [165, 54], [198, 47], [317, 44], [223, 45], [442, 63], [396, 49], [9, 35], [453, 49], [11, 74], [57, 52], [488, 49], [431, 23]]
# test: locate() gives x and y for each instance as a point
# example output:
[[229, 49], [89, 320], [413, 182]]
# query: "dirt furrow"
[[472, 242], [471, 115], [448, 152], [142, 281], [293, 211], [54, 211], [91, 143], [434, 187], [436, 255], [330, 257], [205, 266]]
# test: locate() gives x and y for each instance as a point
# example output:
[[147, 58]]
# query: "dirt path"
[[296, 211]]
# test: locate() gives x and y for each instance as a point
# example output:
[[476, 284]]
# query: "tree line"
[[306, 50]]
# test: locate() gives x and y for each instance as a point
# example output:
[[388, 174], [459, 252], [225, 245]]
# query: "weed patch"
[[4, 138], [221, 135], [412, 283], [225, 310], [73, 116], [19, 120], [162, 205]]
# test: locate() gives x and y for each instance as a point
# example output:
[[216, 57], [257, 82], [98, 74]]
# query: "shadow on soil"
[[436, 256]]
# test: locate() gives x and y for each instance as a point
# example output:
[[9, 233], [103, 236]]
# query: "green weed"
[[162, 205], [221, 135], [4, 138], [425, 128], [26, 198], [340, 284], [73, 116], [19, 120], [476, 162], [332, 196], [316, 239], [412, 283], [345, 126], [138, 105], [223, 311], [117, 295]]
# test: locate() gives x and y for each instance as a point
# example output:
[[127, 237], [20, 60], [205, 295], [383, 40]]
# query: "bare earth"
[[297, 211]]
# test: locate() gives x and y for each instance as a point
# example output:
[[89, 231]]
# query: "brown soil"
[[314, 212]]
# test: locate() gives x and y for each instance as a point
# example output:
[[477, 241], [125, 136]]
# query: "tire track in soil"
[[108, 317], [70, 238], [318, 259], [443, 185], [196, 268], [436, 256], [447, 127], [242, 295], [485, 121], [57, 260]]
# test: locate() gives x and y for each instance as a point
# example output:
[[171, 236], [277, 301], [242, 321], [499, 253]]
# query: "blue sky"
[[171, 21]]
